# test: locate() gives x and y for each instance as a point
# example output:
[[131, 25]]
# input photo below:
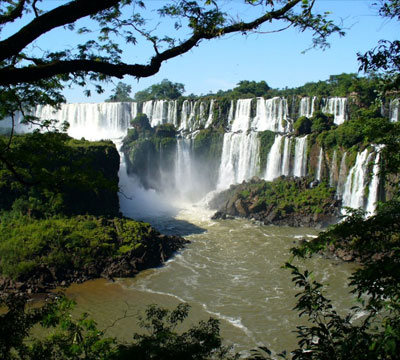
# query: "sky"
[[277, 58]]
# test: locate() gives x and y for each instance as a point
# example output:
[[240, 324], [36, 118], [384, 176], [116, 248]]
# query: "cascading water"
[[342, 177], [286, 156], [374, 185], [338, 107], [91, 121], [240, 153], [274, 160], [307, 105], [394, 110], [183, 169], [241, 122], [319, 169], [210, 114], [271, 114], [300, 157], [240, 158], [333, 172], [354, 188]]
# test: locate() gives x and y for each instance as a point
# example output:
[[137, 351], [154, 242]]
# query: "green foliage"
[[70, 338], [365, 127], [165, 131], [54, 174], [165, 90], [375, 242], [266, 139], [121, 93], [302, 126], [200, 342], [65, 244], [246, 89], [289, 195], [363, 88], [141, 122], [321, 122], [385, 57]]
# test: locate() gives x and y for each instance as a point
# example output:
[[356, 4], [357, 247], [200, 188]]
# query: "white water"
[[240, 154], [394, 110], [353, 195], [332, 180], [373, 186], [240, 158], [307, 106], [342, 177], [286, 155], [338, 107], [241, 122], [183, 170], [274, 162], [272, 114], [319, 169], [300, 156]]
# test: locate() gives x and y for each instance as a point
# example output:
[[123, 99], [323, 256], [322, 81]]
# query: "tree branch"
[[13, 14], [57, 17], [33, 73]]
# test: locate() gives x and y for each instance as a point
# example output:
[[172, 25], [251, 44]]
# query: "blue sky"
[[276, 58]]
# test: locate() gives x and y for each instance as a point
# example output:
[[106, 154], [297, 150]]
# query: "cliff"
[[285, 201]]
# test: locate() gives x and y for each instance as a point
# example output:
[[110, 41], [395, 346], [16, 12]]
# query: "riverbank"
[[63, 251]]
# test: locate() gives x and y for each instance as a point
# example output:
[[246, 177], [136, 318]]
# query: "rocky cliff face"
[[285, 201]]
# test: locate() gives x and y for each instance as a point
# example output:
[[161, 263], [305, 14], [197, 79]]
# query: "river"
[[231, 270]]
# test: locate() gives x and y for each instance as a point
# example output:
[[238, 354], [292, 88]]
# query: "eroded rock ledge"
[[290, 201]]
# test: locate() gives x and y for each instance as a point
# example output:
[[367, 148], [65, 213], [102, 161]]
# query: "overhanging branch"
[[60, 16], [33, 73]]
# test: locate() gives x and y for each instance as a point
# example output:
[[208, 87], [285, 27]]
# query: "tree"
[[385, 57], [102, 58], [121, 93], [165, 90]]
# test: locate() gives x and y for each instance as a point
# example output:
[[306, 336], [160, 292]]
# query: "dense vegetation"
[[65, 245], [53, 174], [165, 90]]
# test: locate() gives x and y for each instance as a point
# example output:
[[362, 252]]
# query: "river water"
[[231, 270]]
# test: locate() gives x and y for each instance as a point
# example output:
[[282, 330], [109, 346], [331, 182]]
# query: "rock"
[[241, 208]]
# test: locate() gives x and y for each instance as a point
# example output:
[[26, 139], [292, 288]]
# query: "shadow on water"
[[171, 226]]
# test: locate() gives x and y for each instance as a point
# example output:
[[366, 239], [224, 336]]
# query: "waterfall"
[[183, 168], [147, 108], [332, 177], [300, 156], [92, 121], [394, 110], [342, 177], [338, 107], [274, 161], [307, 106], [319, 169], [373, 186], [354, 188], [240, 158], [271, 114], [173, 113], [241, 122], [286, 156], [210, 114], [230, 114]]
